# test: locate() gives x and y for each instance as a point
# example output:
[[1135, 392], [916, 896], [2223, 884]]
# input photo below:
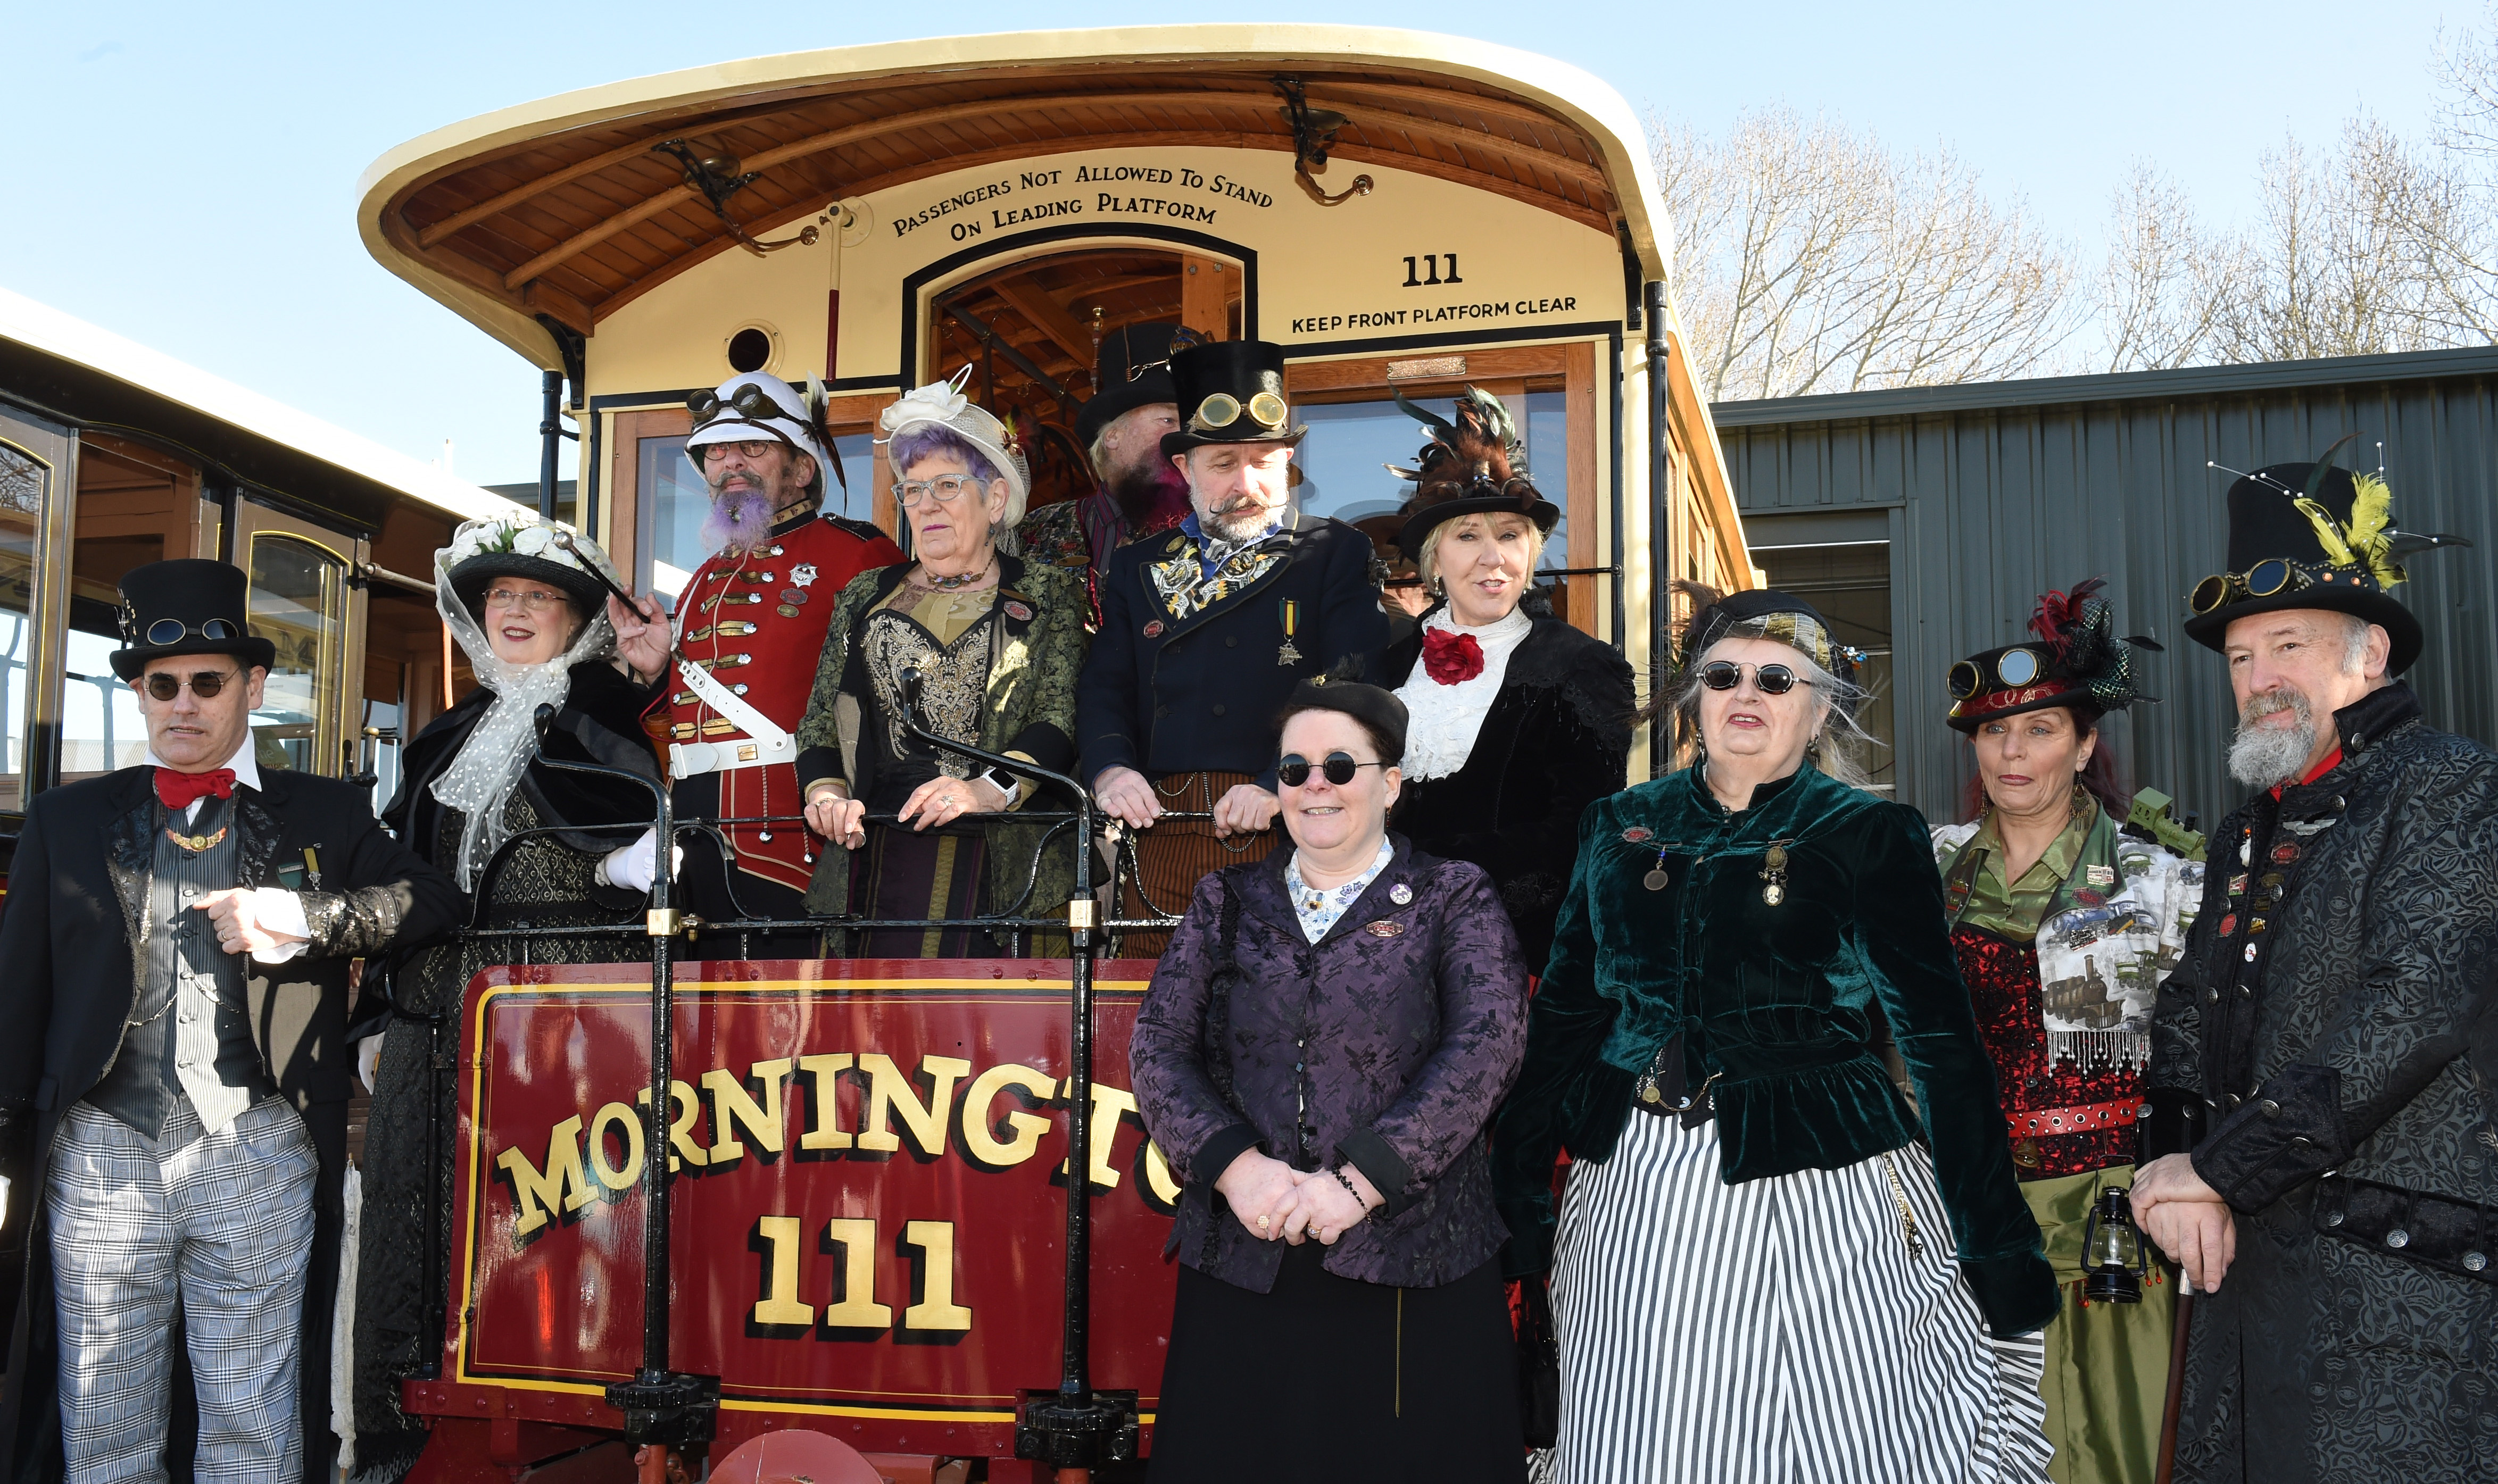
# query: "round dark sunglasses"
[[1294, 770], [1773, 680], [165, 685]]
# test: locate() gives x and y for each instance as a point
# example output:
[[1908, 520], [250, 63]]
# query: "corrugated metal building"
[[1927, 520]]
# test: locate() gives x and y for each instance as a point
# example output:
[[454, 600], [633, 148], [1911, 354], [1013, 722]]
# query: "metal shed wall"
[[1991, 494]]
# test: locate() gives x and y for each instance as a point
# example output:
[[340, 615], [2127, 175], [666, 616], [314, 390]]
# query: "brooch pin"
[[1019, 613], [2090, 899], [1384, 929], [195, 843], [1637, 833], [2100, 876], [803, 574], [1773, 872], [1401, 893], [2285, 853], [1154, 630]]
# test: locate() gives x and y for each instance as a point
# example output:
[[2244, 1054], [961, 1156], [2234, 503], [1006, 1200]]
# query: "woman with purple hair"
[[996, 645]]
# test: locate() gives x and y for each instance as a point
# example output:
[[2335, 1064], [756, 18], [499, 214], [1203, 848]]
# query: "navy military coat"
[[1172, 686]]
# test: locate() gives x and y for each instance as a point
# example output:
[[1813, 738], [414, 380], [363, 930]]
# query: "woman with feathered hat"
[[2064, 927], [1766, 1263], [995, 643], [525, 600]]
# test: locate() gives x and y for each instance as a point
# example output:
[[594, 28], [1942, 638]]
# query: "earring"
[[1813, 749]]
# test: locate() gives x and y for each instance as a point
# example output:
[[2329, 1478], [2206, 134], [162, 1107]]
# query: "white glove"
[[369, 1059], [632, 866]]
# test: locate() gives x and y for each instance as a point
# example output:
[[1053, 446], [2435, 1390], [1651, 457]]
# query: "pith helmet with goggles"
[[756, 407], [1231, 392]]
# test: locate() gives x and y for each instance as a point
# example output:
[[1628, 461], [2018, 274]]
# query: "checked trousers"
[[211, 1232]]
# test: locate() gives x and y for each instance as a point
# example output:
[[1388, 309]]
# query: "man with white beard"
[[2323, 1149], [1206, 630], [750, 628]]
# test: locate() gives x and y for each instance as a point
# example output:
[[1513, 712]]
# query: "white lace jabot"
[[1443, 721]]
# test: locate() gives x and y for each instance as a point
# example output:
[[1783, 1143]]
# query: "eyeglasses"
[[751, 447], [165, 631], [2264, 579], [536, 602], [1294, 770], [206, 685], [1223, 409], [945, 488], [1773, 680], [2013, 669]]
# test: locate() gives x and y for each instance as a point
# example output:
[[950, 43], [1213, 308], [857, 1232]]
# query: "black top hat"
[[1372, 705], [1475, 465], [1781, 616], [187, 607], [1231, 392], [1132, 372], [2077, 663], [2312, 535]]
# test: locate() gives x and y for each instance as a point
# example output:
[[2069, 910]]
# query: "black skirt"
[[1328, 1378]]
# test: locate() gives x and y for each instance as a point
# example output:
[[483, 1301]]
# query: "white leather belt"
[[763, 744]]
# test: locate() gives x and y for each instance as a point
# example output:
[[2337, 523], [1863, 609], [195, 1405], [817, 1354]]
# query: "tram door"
[[304, 599]]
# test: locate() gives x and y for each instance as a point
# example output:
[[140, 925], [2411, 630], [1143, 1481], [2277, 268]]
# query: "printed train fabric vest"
[[189, 1035]]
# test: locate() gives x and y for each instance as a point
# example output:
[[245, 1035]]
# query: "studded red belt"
[[2076, 1119]]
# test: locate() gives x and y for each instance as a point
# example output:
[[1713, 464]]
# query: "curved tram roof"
[[562, 209]]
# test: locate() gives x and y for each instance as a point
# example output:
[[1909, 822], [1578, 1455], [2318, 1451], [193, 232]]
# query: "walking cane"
[[2176, 1377]]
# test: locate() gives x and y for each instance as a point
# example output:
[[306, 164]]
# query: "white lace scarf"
[[1442, 721], [504, 740]]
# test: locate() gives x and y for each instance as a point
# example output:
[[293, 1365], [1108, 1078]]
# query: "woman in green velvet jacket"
[[1766, 1262]]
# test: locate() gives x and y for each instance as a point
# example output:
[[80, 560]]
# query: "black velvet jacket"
[[1779, 1002], [1557, 739]]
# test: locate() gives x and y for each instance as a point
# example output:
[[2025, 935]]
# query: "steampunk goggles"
[[2263, 579], [2013, 669], [1223, 409], [171, 631], [751, 404]]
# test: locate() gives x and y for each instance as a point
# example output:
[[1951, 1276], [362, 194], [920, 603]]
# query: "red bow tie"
[[181, 790], [1450, 658]]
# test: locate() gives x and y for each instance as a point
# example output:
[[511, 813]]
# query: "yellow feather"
[[2372, 514], [2329, 534]]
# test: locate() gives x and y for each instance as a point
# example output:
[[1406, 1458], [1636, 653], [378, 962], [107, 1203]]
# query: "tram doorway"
[[1032, 334]]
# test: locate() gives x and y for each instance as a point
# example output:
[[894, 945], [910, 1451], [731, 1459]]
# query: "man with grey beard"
[[1206, 630], [2322, 1155]]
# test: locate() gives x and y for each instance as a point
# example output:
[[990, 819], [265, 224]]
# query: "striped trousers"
[[1779, 1330], [220, 1222]]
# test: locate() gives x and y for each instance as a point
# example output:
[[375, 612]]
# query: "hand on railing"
[[834, 814]]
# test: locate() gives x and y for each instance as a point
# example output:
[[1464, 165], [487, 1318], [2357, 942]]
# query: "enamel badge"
[[1401, 893], [1384, 929], [1154, 630]]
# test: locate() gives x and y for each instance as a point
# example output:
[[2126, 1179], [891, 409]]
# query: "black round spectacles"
[[165, 685], [1294, 770], [1773, 680]]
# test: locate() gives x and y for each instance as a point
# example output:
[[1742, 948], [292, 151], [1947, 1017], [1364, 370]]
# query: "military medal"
[[1290, 611], [1773, 874], [803, 574], [1656, 880]]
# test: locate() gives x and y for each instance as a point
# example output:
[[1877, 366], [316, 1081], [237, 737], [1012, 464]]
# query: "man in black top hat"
[[1206, 630], [175, 1073], [2323, 1148], [1135, 405]]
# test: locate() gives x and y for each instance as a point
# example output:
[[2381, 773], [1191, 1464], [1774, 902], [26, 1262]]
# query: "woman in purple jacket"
[[1325, 1042]]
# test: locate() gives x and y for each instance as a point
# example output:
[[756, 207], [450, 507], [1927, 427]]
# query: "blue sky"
[[184, 174]]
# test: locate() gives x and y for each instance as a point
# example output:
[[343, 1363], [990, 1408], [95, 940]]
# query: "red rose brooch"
[[1450, 658]]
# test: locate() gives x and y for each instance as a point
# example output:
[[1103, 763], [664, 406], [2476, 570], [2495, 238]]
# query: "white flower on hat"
[[532, 540], [939, 401]]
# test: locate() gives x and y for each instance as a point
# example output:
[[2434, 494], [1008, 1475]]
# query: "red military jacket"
[[756, 622]]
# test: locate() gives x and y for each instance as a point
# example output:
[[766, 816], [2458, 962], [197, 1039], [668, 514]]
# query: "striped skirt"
[[1778, 1330]]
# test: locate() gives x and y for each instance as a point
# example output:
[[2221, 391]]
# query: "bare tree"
[[1811, 259], [2167, 281]]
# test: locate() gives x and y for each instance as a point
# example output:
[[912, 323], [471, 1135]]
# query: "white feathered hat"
[[943, 404]]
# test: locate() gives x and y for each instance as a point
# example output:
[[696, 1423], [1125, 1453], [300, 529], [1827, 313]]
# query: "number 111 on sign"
[[1430, 263]]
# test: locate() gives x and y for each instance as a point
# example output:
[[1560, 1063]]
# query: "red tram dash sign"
[[869, 1210]]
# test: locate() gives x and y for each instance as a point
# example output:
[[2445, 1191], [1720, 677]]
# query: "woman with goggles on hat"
[[529, 604], [1521, 721], [2063, 928], [985, 646], [1766, 1263], [1325, 1041]]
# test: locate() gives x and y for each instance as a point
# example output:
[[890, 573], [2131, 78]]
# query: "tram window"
[[674, 500], [298, 603], [22, 484], [1341, 473], [102, 728]]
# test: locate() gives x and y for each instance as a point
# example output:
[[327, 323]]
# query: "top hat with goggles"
[[2312, 535], [187, 605], [2074, 661], [757, 407], [1132, 369], [1231, 392]]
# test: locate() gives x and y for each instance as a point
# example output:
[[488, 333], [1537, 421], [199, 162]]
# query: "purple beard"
[[741, 518], [1151, 497]]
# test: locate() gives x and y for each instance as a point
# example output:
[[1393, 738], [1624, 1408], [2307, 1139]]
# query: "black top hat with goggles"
[[187, 605], [2312, 535], [2076, 662], [1231, 392]]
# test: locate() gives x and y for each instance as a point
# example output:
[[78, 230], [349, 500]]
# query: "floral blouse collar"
[[1318, 910]]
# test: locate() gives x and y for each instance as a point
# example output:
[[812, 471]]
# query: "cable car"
[[709, 1203]]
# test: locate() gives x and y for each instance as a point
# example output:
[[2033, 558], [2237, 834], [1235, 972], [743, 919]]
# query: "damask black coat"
[[1557, 739], [2333, 1014], [72, 940]]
